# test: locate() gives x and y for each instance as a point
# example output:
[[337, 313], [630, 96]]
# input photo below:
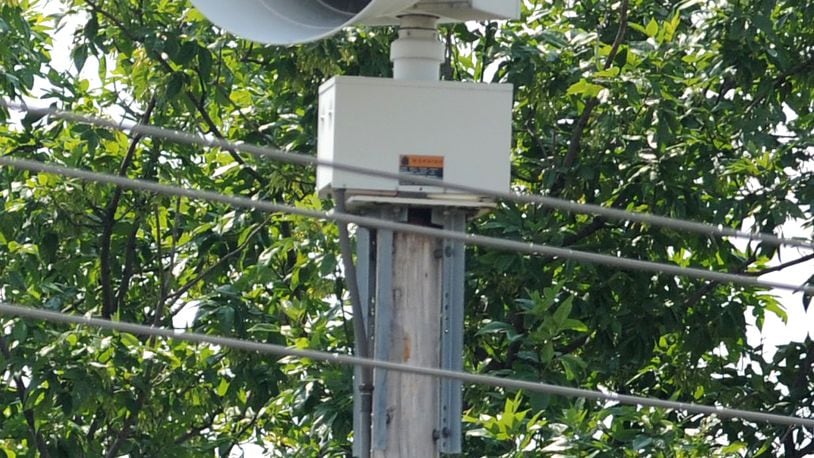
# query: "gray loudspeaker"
[[286, 22]]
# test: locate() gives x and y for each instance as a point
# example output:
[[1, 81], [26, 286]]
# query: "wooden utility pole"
[[412, 401], [429, 132]]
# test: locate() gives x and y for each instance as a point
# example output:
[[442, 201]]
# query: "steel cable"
[[489, 242], [544, 201], [334, 358]]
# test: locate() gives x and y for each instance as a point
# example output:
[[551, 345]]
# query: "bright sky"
[[774, 333]]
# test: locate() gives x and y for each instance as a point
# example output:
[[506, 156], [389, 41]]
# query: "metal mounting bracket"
[[452, 333], [374, 273]]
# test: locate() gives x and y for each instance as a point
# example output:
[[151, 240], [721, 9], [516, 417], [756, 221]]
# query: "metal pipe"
[[418, 52], [360, 334]]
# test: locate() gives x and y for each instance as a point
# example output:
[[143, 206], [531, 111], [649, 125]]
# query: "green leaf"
[[174, 86], [652, 28], [186, 53], [80, 56], [265, 327], [764, 24], [583, 87], [23, 248], [171, 46], [223, 387], [689, 4], [130, 340], [194, 15], [641, 442], [91, 29], [572, 365], [611, 72], [735, 448], [574, 325], [563, 311], [328, 265], [494, 327], [204, 62], [547, 353], [772, 305]]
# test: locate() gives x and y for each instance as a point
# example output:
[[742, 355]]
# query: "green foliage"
[[678, 114]]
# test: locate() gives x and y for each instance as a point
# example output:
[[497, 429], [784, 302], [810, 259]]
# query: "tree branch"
[[94, 425], [806, 451], [198, 429], [575, 143], [129, 264], [780, 267], [781, 80], [598, 223], [197, 103], [98, 10], [22, 395], [109, 220], [595, 226], [214, 130], [788, 444], [149, 173], [709, 286], [123, 434], [130, 422], [174, 297], [575, 345], [787, 439], [162, 276], [243, 430]]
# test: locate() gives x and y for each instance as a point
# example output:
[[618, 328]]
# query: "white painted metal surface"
[[377, 123], [469, 10]]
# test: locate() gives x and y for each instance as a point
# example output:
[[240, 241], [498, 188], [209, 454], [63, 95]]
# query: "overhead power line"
[[544, 201], [334, 358], [489, 242]]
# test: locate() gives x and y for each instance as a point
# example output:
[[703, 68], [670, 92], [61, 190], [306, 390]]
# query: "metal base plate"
[[361, 202]]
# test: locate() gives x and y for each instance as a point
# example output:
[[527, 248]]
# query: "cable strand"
[[334, 358], [544, 201], [483, 241]]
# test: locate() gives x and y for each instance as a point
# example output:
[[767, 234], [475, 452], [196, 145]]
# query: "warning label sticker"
[[421, 166]]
